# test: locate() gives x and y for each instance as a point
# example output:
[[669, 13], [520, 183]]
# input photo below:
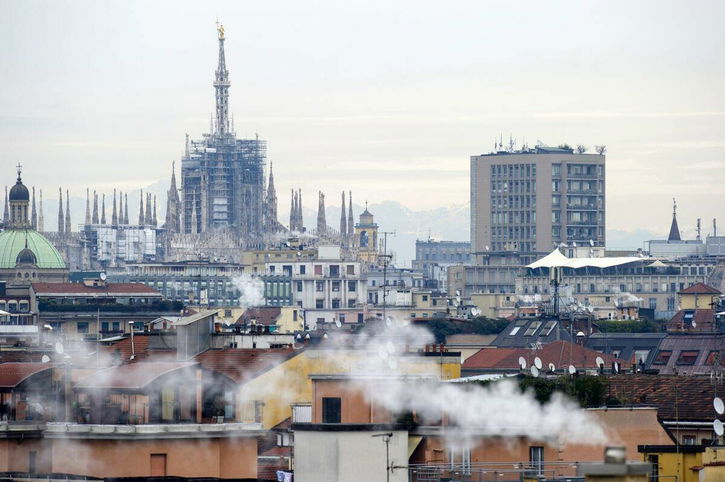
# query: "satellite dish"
[[552, 367], [534, 371], [522, 363], [600, 362], [487, 248], [299, 337], [572, 370], [337, 323], [537, 363], [59, 348], [324, 337], [46, 359], [616, 367], [718, 427], [694, 324], [591, 242], [719, 405], [573, 243], [102, 276]]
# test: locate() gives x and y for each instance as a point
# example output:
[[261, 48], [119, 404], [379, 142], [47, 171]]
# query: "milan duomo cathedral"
[[224, 205]]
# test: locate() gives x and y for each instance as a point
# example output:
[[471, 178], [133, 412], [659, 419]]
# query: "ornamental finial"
[[220, 30]]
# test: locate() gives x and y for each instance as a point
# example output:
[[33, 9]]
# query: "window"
[[334, 270], [318, 304], [303, 269], [319, 286], [298, 284], [653, 303], [532, 328], [548, 328], [227, 313], [335, 304], [352, 286], [688, 317], [318, 269], [351, 303], [336, 286], [687, 357], [536, 459], [640, 356], [331, 409], [82, 327], [654, 460], [515, 330], [351, 269], [688, 440], [710, 360], [663, 356]]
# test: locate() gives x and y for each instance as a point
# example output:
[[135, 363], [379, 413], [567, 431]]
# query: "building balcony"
[[18, 330]]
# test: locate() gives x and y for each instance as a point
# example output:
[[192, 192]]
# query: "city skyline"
[[380, 107]]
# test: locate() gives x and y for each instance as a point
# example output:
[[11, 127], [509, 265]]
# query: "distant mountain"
[[445, 223]]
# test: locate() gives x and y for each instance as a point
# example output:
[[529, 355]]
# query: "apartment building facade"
[[532, 200]]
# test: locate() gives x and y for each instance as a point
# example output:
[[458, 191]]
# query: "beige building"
[[532, 200]]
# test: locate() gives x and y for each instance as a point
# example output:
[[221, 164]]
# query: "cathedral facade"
[[222, 177]]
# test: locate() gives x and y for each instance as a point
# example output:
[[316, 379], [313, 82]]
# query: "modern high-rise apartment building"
[[532, 200]]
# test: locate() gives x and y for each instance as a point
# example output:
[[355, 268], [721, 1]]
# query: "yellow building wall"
[[289, 382], [676, 466], [286, 320], [696, 302]]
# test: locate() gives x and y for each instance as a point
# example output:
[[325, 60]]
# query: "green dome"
[[12, 242]]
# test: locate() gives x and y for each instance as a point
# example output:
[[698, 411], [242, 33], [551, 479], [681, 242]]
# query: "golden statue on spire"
[[220, 30]]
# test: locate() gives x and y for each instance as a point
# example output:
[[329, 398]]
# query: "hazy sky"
[[388, 99]]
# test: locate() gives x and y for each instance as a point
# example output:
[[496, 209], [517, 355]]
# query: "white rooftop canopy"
[[557, 259]]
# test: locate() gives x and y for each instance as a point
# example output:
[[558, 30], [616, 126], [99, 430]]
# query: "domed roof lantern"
[[19, 192], [26, 255]]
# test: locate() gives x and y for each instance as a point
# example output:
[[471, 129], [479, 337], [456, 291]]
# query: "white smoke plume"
[[251, 291], [473, 411]]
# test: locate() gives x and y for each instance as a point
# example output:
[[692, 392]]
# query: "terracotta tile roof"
[[80, 289], [242, 365], [263, 316], [561, 353], [123, 349], [704, 321], [13, 374], [699, 289], [683, 397], [131, 376]]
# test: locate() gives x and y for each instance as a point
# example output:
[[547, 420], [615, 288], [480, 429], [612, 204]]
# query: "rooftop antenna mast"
[[386, 258]]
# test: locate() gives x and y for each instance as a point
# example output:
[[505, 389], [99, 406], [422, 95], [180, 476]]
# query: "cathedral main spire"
[[221, 85]]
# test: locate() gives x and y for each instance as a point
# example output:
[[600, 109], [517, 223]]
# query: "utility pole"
[[388, 466], [386, 258]]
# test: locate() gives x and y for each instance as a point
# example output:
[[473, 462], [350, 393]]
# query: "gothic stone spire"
[[114, 213], [94, 219], [221, 85], [140, 210], [61, 223], [88, 207], [103, 208], [67, 212]]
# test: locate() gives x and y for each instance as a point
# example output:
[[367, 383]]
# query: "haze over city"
[[388, 100]]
